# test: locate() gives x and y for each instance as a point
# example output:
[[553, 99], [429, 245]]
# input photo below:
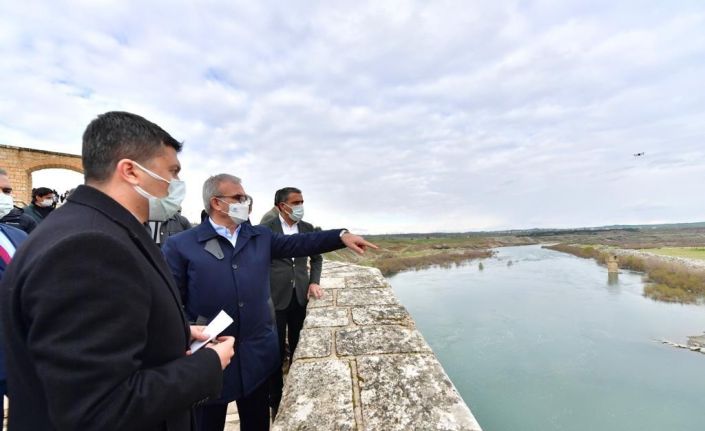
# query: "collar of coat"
[[205, 232], [96, 199]]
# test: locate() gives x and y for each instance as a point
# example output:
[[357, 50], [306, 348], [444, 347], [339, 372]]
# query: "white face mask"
[[162, 209], [6, 204], [238, 213], [46, 203], [297, 212]]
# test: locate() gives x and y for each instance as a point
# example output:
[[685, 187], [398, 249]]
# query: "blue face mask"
[[162, 209], [297, 212]]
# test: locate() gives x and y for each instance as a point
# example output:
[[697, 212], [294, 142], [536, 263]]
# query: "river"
[[547, 343]]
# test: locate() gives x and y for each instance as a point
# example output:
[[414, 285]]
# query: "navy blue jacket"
[[16, 237], [214, 276]]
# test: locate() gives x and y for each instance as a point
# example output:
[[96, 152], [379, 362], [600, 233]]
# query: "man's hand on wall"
[[314, 291]]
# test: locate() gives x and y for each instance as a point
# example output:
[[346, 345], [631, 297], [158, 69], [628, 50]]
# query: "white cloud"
[[393, 115]]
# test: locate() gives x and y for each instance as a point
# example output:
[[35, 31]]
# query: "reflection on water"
[[547, 343], [612, 278]]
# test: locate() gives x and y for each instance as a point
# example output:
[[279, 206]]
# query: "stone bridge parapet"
[[361, 364]]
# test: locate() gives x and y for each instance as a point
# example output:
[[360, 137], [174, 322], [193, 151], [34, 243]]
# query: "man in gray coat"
[[291, 281]]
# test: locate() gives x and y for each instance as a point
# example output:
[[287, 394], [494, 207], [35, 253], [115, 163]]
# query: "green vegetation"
[[404, 252], [687, 252], [667, 281]]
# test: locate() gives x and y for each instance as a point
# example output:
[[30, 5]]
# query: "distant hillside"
[[538, 232]]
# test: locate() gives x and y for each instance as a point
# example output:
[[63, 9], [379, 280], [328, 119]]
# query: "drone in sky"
[[639, 154]]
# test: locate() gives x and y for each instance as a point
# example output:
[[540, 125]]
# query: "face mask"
[[162, 209], [297, 212], [46, 203], [6, 204], [238, 213]]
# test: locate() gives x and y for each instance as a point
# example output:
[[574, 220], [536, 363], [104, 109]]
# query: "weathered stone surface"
[[328, 300], [317, 396], [360, 327], [326, 317], [696, 341], [314, 343], [365, 281], [339, 271], [381, 315], [353, 297], [379, 339], [333, 283], [400, 392]]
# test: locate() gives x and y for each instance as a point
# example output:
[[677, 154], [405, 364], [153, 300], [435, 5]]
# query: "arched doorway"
[[20, 163], [58, 179]]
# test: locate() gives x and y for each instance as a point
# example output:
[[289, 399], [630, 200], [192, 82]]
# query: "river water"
[[547, 343]]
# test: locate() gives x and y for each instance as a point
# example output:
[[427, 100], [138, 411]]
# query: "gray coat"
[[286, 273]]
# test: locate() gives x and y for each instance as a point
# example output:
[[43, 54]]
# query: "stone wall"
[[21, 162], [362, 365]]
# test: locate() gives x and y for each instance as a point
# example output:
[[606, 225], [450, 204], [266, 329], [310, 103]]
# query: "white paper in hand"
[[217, 325]]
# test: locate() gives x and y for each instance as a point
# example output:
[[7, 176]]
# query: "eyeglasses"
[[243, 199], [6, 190]]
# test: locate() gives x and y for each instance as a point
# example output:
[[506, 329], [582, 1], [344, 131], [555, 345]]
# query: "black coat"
[[18, 219], [287, 274], [95, 336]]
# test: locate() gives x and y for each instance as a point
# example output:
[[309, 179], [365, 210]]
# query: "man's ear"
[[213, 203], [125, 169]]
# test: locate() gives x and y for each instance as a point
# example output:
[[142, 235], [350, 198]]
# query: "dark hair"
[[40, 191], [114, 136], [283, 194]]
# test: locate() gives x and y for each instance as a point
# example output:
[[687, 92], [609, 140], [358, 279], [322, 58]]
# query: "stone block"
[[381, 315], [314, 343], [333, 282], [365, 281], [328, 300], [379, 339], [324, 405], [355, 297], [319, 317], [401, 392]]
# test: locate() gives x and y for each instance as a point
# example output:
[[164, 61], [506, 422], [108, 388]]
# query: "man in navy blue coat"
[[223, 264], [10, 239]]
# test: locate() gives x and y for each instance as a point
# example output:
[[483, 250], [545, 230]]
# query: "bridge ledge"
[[361, 364]]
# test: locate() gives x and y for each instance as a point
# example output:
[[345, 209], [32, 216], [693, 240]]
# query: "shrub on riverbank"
[[393, 265], [662, 292], [401, 254], [584, 251], [666, 281]]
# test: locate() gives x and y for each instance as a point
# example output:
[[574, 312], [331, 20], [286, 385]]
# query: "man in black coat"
[[161, 231], [43, 203], [93, 326], [12, 215], [291, 282]]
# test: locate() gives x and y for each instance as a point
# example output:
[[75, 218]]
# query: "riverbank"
[[669, 278], [412, 252]]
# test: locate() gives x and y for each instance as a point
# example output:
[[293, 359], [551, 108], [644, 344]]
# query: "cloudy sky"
[[392, 116]]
